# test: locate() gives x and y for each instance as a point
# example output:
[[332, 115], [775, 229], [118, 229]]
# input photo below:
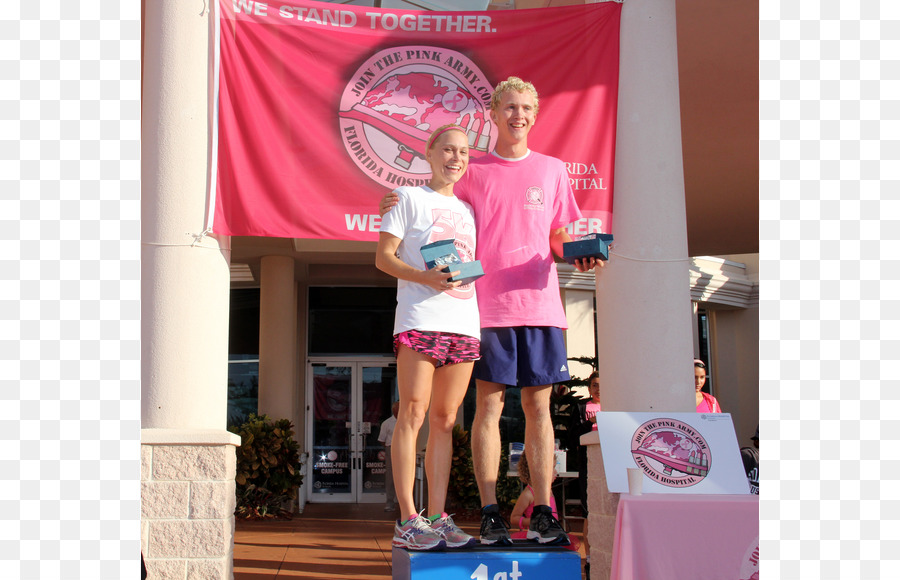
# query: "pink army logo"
[[534, 198], [394, 101], [671, 452]]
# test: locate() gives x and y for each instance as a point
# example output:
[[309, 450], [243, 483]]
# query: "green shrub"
[[254, 503], [268, 467]]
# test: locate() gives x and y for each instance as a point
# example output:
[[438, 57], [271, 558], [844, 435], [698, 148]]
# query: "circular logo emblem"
[[671, 452], [534, 198], [398, 97], [381, 455], [750, 562], [332, 455]]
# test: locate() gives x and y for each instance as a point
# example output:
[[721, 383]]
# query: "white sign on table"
[[677, 452]]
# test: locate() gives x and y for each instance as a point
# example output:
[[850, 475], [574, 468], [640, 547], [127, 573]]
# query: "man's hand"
[[389, 200], [586, 264]]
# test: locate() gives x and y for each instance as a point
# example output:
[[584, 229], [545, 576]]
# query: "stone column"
[[277, 337], [643, 295], [602, 507], [187, 456]]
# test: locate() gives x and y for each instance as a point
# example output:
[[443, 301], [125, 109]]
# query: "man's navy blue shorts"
[[522, 356]]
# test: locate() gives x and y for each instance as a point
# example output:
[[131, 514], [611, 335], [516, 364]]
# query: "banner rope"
[[197, 239]]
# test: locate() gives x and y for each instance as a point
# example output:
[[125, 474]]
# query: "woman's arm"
[[387, 261]]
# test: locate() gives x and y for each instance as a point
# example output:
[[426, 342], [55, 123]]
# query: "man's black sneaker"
[[494, 531], [546, 529]]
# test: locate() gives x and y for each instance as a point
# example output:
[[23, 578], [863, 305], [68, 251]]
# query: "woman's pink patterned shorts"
[[444, 347]]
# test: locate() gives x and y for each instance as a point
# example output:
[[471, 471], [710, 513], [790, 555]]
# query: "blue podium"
[[524, 560]]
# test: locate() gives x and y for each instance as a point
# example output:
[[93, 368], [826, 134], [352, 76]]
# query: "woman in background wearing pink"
[[706, 403]]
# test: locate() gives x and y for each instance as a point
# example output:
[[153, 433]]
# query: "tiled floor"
[[325, 542]]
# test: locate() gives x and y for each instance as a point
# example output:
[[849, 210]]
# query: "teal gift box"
[[443, 252], [589, 246]]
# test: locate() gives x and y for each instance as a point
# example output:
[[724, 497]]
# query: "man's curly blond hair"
[[513, 84]]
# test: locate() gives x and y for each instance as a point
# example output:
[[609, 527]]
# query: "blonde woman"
[[436, 336]]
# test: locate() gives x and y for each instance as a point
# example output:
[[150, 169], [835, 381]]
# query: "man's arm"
[[389, 200], [561, 236], [557, 239]]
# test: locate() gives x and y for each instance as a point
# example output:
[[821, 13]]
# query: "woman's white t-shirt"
[[423, 216]]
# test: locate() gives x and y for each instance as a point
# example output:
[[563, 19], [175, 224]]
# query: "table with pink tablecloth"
[[689, 537]]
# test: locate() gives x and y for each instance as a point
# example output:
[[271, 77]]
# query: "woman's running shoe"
[[416, 534], [455, 537]]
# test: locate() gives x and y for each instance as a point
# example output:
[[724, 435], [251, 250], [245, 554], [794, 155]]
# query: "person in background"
[[436, 335], [384, 436], [524, 506], [750, 457], [706, 403], [584, 420]]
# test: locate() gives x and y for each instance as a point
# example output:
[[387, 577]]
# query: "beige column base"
[[187, 503], [602, 507]]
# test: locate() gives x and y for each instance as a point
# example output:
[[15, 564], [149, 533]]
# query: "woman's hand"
[[437, 278]]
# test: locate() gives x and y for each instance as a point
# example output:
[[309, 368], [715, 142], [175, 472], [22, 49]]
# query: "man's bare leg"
[[486, 459], [486, 438], [539, 440], [539, 448]]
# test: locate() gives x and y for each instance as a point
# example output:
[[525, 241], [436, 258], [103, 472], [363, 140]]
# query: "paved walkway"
[[325, 542]]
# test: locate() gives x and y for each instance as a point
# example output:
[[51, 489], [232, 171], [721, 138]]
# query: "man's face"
[[514, 116]]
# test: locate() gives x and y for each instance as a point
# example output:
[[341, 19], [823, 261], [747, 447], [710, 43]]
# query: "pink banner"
[[323, 107]]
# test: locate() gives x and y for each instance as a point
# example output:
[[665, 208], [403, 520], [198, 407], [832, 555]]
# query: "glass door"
[[348, 402], [379, 383]]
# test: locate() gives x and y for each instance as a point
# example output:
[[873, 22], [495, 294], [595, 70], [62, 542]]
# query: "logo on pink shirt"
[[534, 198], [671, 452]]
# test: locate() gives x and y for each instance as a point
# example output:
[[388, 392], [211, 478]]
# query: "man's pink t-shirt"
[[517, 204]]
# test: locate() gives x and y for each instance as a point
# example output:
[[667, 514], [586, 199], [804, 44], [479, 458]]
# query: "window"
[[703, 334], [243, 355], [351, 321]]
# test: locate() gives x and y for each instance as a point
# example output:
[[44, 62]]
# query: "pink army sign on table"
[[686, 453], [322, 107]]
